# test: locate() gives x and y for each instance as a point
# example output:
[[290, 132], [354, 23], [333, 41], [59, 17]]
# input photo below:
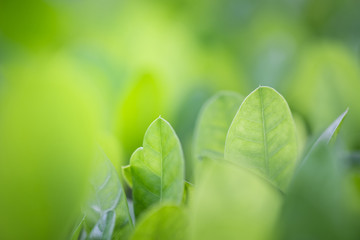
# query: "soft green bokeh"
[[48, 128], [75, 74]]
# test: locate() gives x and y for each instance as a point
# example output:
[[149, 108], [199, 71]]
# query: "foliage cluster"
[[251, 181]]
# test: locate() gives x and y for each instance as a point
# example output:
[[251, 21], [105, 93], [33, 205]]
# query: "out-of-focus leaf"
[[47, 142], [353, 196], [184, 123], [157, 169], [126, 172], [104, 228], [107, 213], [77, 229], [164, 222], [314, 207], [213, 124], [332, 131], [231, 203], [329, 135], [262, 137]]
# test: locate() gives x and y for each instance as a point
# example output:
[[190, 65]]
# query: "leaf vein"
[[264, 131], [276, 125], [278, 149], [247, 139], [148, 190]]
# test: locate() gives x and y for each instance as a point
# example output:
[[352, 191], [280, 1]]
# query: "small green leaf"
[[262, 137], [329, 135], [332, 131], [126, 172], [157, 169], [107, 213], [163, 222], [213, 124]]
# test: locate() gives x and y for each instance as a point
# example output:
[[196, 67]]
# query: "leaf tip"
[[161, 119], [135, 153]]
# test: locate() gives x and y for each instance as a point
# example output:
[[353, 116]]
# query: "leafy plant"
[[251, 181]]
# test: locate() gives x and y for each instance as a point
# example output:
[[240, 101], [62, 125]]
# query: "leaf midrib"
[[264, 132], [161, 165]]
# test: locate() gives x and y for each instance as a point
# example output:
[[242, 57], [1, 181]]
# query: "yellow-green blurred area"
[[76, 73], [148, 58]]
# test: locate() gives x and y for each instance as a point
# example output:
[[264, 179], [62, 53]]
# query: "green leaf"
[[107, 213], [316, 200], [104, 228], [332, 131], [262, 137], [315, 204], [231, 203], [126, 172], [157, 169], [329, 135], [164, 222], [213, 124], [77, 228]]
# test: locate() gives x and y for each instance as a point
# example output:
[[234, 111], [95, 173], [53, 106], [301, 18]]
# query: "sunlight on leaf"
[[262, 137]]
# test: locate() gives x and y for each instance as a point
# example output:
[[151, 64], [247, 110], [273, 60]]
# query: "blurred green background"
[[77, 72]]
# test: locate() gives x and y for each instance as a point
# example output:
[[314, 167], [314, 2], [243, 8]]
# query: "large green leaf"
[[315, 205], [231, 203], [164, 222], [107, 213], [213, 124], [262, 137], [157, 168]]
